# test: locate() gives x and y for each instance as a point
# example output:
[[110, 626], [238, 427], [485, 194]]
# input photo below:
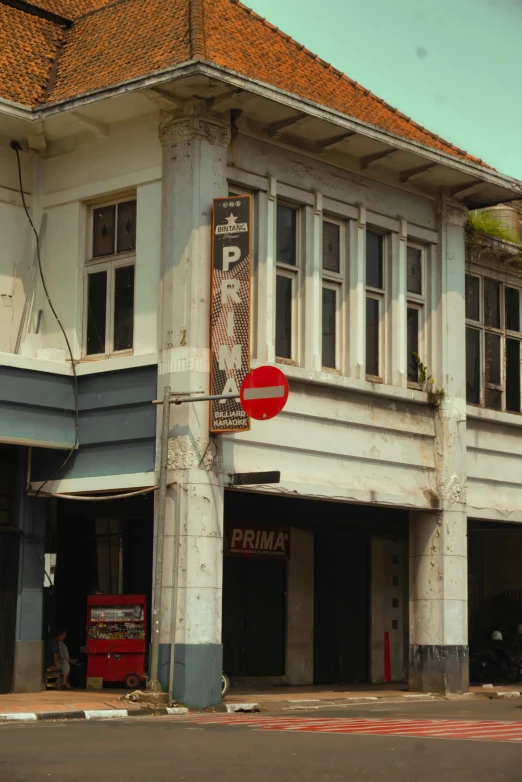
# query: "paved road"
[[218, 748]]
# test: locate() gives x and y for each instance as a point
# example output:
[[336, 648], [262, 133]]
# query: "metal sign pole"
[[154, 683], [252, 478]]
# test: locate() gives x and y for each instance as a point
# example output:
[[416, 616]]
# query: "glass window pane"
[[96, 312], [513, 375], [491, 303], [473, 366], [103, 230], [123, 307], [286, 235], [512, 309], [493, 399], [283, 317], [374, 255], [331, 247], [472, 298], [127, 226], [329, 312], [492, 359], [414, 266], [372, 337], [413, 344]]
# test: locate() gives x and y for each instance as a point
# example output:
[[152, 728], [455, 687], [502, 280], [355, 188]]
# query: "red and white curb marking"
[[92, 714], [477, 730]]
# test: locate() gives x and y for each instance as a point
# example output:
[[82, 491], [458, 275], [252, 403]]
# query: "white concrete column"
[[300, 609], [194, 172], [357, 309], [438, 542], [313, 235], [399, 361]]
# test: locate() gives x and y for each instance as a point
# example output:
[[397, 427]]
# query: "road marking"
[[473, 730]]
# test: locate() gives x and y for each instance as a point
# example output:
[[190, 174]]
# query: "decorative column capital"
[[453, 213], [174, 130]]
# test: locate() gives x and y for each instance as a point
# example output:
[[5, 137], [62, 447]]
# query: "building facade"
[[395, 437]]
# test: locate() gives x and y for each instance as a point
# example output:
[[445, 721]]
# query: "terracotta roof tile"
[[28, 46], [69, 9], [243, 41], [113, 41], [124, 40]]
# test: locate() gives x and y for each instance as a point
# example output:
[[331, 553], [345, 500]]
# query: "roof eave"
[[512, 188]]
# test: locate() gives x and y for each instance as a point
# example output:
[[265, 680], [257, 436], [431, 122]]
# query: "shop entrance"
[[494, 584], [101, 548], [341, 607], [334, 611], [254, 609]]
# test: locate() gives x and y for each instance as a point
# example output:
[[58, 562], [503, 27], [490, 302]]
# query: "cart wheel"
[[132, 681], [225, 684]]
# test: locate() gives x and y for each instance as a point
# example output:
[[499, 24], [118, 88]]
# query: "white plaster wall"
[[343, 446], [131, 150], [16, 249], [494, 458], [129, 158], [261, 159], [383, 591]]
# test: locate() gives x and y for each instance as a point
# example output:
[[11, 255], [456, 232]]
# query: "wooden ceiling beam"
[[410, 174], [322, 145], [276, 127], [371, 160]]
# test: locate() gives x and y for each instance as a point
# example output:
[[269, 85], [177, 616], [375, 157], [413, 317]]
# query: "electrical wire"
[[16, 146], [105, 497]]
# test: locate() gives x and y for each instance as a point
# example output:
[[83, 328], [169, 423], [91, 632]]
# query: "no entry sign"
[[264, 393]]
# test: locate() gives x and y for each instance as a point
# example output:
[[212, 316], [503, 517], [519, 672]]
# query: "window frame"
[[417, 301], [109, 264], [292, 272], [335, 281], [502, 332], [380, 294]]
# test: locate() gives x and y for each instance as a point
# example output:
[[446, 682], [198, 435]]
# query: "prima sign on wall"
[[258, 542], [230, 315]]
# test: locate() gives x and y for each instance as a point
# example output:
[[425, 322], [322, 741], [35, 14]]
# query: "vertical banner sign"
[[230, 314]]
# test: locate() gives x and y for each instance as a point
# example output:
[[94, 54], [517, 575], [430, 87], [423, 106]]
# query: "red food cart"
[[116, 638]]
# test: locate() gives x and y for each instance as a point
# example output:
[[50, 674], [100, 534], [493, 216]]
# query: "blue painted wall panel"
[[117, 422]]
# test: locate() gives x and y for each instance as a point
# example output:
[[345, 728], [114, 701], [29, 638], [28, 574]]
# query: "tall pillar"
[[194, 172], [300, 608], [438, 539], [28, 657]]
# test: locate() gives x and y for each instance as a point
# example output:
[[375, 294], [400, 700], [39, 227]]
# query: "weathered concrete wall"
[[389, 600], [494, 455]]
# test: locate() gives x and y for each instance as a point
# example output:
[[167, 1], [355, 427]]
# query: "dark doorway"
[[100, 546], [9, 555], [254, 616], [341, 609]]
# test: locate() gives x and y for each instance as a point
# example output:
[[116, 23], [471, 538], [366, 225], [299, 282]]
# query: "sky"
[[454, 66]]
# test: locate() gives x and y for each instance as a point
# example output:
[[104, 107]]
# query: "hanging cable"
[[16, 146]]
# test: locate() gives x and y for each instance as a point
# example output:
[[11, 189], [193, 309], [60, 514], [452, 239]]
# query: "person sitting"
[[59, 658]]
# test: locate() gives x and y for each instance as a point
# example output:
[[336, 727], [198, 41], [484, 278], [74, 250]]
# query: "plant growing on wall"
[[428, 381], [483, 225]]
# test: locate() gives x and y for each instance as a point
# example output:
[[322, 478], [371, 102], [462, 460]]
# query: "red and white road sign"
[[263, 393]]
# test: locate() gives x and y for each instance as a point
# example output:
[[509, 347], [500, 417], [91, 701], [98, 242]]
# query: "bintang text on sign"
[[230, 316]]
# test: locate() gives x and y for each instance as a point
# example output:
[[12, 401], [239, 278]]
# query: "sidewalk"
[[64, 700], [269, 699]]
